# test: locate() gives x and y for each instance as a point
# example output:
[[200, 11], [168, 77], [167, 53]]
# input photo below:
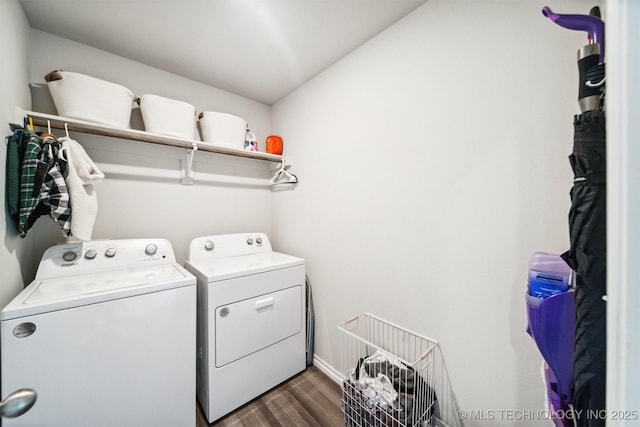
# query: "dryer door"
[[250, 325]]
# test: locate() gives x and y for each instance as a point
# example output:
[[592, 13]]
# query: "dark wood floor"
[[308, 399]]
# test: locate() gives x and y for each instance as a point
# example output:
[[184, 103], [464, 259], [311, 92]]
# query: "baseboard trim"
[[327, 369]]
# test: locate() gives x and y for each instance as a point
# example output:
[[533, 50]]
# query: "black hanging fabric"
[[587, 257]]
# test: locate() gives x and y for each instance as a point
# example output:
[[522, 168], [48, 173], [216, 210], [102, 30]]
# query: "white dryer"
[[105, 335], [251, 331]]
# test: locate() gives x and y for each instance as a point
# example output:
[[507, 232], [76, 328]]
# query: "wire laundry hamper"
[[393, 377]]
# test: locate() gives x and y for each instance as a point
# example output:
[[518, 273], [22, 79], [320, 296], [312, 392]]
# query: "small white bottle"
[[250, 142]]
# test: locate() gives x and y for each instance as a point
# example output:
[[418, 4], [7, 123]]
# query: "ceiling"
[[259, 49]]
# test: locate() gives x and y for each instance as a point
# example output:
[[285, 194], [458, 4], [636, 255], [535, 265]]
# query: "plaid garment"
[[54, 196], [28, 201]]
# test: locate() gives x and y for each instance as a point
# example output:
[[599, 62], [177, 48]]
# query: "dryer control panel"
[[73, 258], [228, 245]]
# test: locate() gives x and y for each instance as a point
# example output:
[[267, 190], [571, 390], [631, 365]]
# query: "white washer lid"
[[60, 293], [217, 269]]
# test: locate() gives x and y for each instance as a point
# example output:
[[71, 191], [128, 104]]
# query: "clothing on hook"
[[45, 161], [54, 197], [81, 176], [35, 180], [51, 176], [29, 164]]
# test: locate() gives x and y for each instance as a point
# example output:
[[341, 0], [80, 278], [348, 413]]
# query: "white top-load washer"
[[251, 314], [106, 336]]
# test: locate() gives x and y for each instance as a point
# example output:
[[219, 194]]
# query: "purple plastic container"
[[548, 275], [551, 323], [558, 404], [552, 326]]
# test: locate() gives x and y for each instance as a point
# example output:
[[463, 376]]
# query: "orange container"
[[274, 144]]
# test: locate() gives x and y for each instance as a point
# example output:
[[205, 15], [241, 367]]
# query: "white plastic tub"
[[82, 97], [167, 116], [223, 129]]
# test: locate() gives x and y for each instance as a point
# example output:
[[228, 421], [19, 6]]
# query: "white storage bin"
[[82, 97], [167, 116], [223, 129]]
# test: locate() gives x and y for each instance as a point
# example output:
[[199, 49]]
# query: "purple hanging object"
[[549, 274], [552, 327], [594, 26]]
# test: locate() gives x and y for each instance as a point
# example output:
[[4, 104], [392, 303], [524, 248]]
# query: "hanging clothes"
[[53, 195], [82, 174], [49, 176], [28, 200]]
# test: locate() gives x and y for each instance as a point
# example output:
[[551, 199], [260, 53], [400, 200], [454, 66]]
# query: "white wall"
[[433, 162], [142, 195], [14, 91]]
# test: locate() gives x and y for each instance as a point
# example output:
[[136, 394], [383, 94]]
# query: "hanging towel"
[[53, 194], [28, 201], [82, 174]]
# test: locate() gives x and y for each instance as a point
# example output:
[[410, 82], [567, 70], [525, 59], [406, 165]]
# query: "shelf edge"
[[81, 126]]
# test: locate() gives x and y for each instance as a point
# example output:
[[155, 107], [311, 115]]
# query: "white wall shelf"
[[49, 121], [73, 125]]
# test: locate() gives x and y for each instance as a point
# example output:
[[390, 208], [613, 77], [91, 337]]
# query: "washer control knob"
[[151, 249], [249, 241], [90, 254], [208, 245], [110, 253], [69, 256], [259, 240]]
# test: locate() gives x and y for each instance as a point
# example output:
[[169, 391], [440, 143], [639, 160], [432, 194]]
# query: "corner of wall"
[[14, 91]]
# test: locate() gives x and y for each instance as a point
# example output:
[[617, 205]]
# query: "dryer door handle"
[[265, 302]]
